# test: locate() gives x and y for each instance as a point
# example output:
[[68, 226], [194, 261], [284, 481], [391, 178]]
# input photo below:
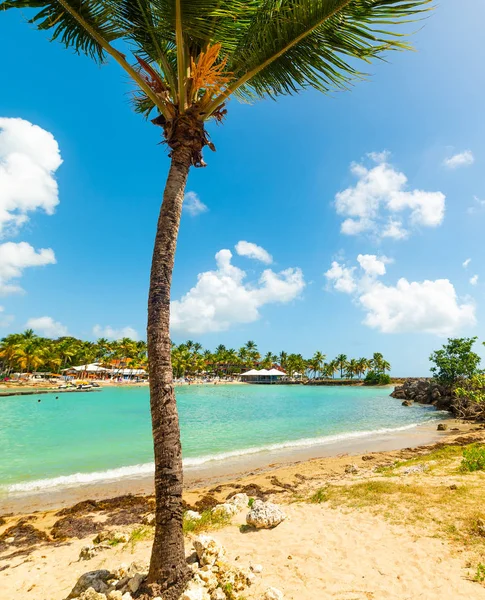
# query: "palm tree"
[[188, 59], [362, 365], [376, 362], [352, 368], [317, 362], [341, 363]]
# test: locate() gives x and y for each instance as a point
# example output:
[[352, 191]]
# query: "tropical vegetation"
[[27, 353], [186, 59]]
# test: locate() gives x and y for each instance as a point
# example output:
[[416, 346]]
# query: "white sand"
[[334, 555]]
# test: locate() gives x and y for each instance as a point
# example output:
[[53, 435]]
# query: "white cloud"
[[221, 298], [193, 205], [466, 262], [115, 334], [29, 158], [47, 327], [14, 258], [342, 278], [395, 230], [474, 280], [379, 195], [427, 306], [462, 159], [373, 265], [253, 251]]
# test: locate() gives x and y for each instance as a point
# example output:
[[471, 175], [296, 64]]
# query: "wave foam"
[[145, 469]]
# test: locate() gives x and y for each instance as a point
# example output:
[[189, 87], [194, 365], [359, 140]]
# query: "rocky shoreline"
[[424, 391]]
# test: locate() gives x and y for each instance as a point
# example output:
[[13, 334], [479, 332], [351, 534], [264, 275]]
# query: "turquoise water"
[[105, 435]]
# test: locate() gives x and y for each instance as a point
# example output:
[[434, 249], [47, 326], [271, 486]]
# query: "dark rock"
[[94, 579], [407, 403], [368, 457], [442, 427]]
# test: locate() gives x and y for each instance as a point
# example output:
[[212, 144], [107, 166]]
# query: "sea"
[[73, 439]]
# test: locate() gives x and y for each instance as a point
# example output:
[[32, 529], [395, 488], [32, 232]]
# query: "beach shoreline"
[[231, 469], [364, 551]]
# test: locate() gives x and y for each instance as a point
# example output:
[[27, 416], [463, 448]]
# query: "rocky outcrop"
[[424, 391], [265, 515], [212, 578]]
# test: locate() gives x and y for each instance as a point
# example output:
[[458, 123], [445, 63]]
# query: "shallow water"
[[87, 437]]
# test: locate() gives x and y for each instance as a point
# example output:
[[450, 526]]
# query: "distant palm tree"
[[318, 359], [363, 364], [341, 362], [188, 59], [351, 368]]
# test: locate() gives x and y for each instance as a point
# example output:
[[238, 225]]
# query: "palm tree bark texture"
[[168, 565]]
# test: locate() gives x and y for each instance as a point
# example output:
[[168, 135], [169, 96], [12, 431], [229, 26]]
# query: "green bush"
[[473, 458], [373, 378]]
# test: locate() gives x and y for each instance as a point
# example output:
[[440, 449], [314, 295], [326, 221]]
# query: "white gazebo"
[[262, 376]]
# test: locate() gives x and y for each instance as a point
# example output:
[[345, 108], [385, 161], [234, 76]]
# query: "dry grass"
[[442, 500]]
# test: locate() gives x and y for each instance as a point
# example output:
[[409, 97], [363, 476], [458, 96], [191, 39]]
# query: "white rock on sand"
[[195, 591], [265, 515], [208, 550], [240, 501], [225, 510], [192, 515], [273, 594]]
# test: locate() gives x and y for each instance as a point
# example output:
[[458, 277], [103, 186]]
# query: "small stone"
[[407, 403], [240, 501], [90, 551], [273, 594], [195, 591], [414, 469], [368, 457], [192, 515], [442, 427], [115, 595], [149, 519], [290, 557], [135, 582], [218, 594], [208, 550], [91, 594], [224, 510], [127, 596], [453, 486], [92, 579], [10, 540], [265, 515], [256, 568], [352, 469]]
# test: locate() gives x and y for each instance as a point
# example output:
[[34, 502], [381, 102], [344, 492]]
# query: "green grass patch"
[[480, 573], [319, 496], [206, 522], [140, 534], [473, 458]]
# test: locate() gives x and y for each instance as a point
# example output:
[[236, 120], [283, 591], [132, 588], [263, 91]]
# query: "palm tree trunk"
[[168, 568]]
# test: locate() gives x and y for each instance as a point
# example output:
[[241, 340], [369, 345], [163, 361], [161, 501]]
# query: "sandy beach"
[[395, 544]]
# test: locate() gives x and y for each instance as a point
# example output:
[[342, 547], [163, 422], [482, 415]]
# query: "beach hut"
[[263, 376]]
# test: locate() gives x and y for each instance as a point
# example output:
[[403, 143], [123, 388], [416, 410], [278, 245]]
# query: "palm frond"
[[293, 44], [78, 24]]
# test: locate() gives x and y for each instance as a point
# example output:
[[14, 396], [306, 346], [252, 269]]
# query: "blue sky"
[[274, 182]]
